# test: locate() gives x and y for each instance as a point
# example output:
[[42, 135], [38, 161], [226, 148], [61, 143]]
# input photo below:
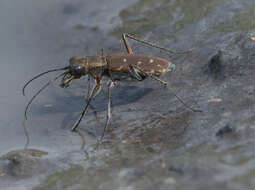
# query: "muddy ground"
[[153, 141]]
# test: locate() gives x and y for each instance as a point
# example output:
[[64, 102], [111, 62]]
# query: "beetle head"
[[78, 67]]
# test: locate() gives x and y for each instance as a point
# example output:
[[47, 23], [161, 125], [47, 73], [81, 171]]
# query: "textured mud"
[[153, 140]]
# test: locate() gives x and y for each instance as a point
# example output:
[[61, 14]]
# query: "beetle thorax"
[[95, 61]]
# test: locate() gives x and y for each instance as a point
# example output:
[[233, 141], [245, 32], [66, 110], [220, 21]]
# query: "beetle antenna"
[[40, 90], [37, 76]]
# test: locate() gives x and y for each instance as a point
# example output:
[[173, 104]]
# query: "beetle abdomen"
[[149, 64]]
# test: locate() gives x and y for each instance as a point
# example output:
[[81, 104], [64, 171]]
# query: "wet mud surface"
[[153, 140]]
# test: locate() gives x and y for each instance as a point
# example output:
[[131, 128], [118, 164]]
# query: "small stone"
[[225, 130]]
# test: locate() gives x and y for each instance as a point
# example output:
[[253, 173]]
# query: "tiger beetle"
[[116, 67]]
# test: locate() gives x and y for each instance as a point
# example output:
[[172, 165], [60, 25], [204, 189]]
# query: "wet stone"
[[227, 130], [215, 63], [25, 163]]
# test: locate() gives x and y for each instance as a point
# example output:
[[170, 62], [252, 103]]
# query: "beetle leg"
[[108, 117], [128, 47], [88, 92], [165, 83], [103, 53], [86, 99], [153, 45], [134, 73], [95, 91], [158, 79], [138, 76]]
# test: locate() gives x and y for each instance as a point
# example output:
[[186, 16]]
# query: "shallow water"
[[28, 47]]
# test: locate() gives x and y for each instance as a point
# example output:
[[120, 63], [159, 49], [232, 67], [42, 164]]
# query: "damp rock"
[[224, 131], [25, 163], [215, 65]]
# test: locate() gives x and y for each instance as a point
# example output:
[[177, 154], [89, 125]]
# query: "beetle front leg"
[[95, 91]]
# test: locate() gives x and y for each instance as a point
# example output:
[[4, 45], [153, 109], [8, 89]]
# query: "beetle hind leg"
[[135, 73], [128, 47], [159, 80]]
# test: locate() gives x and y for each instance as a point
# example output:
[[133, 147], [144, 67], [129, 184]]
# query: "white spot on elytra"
[[151, 60], [124, 60]]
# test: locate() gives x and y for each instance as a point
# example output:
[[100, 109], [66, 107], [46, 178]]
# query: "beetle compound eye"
[[79, 67], [77, 71]]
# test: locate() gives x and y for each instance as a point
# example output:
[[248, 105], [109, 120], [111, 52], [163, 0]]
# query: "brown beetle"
[[117, 67]]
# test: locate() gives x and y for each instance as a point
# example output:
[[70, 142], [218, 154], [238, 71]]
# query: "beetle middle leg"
[[95, 91], [86, 99], [108, 117]]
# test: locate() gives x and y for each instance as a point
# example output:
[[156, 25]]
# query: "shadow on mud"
[[72, 104]]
